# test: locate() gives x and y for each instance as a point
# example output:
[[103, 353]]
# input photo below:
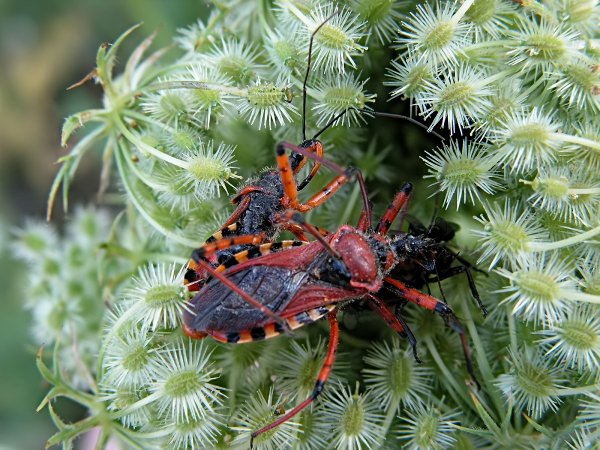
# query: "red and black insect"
[[262, 294], [262, 202]]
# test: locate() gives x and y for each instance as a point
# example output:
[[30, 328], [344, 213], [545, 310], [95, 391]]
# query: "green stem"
[[387, 423], [461, 11], [458, 391], [139, 143], [143, 212], [482, 361], [191, 84], [584, 142], [578, 238], [567, 391]]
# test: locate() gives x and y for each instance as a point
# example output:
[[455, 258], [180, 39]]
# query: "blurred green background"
[[45, 47]]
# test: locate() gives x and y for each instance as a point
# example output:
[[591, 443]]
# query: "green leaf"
[[44, 370], [136, 56], [76, 121], [107, 56]]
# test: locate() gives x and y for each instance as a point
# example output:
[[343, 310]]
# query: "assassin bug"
[[262, 201], [262, 294]]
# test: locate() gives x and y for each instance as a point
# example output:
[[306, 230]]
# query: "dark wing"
[[215, 307]]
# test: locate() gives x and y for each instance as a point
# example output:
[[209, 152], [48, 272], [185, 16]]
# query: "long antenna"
[[310, 46], [380, 114]]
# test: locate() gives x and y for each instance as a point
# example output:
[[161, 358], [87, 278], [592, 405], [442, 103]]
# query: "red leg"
[[321, 379], [314, 147], [400, 203], [393, 321], [298, 231], [427, 301], [291, 216]]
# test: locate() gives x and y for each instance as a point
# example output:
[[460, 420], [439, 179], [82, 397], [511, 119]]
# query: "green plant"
[[517, 88]]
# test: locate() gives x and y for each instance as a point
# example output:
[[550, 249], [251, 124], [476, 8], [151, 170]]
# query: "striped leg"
[[400, 203], [313, 146], [321, 379], [427, 301], [289, 184], [343, 177], [194, 275]]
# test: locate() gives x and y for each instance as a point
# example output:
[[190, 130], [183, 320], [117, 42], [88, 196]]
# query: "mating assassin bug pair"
[[252, 288], [260, 293]]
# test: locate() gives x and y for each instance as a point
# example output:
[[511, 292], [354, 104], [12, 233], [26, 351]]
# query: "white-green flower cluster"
[[523, 80], [64, 293], [516, 85]]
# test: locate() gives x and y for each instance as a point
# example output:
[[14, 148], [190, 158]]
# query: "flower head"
[[267, 103], [574, 341], [462, 172], [158, 296], [426, 427], [353, 418], [393, 377], [458, 99], [507, 232], [539, 287], [530, 384], [183, 388], [434, 35], [336, 42], [341, 94]]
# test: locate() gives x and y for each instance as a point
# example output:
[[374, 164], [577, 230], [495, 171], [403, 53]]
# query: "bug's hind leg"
[[395, 322], [321, 379], [472, 287], [427, 301]]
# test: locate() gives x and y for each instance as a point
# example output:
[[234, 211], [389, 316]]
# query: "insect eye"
[[340, 268]]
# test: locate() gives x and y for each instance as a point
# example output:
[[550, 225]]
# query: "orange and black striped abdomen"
[[272, 329]]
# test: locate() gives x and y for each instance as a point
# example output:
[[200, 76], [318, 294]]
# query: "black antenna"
[[310, 46], [380, 114]]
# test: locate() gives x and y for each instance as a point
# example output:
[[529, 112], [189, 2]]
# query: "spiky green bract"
[[527, 139], [267, 104], [507, 233], [539, 287], [457, 99], [531, 383], [381, 17], [299, 367], [434, 34], [354, 418], [158, 296], [462, 172], [182, 388], [425, 427], [130, 359], [393, 377], [337, 41], [257, 412], [574, 341]]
